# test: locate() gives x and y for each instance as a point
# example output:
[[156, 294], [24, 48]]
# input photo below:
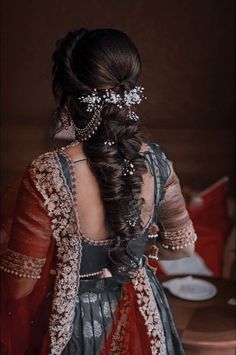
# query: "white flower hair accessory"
[[95, 101]]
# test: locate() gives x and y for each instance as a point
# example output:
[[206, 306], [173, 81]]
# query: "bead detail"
[[22, 265], [128, 168], [153, 231], [179, 239], [91, 274], [154, 257], [109, 143]]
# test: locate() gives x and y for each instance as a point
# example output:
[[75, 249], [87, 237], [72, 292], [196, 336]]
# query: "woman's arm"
[[165, 254], [23, 260], [176, 229]]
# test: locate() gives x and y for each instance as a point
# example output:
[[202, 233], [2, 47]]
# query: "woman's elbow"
[[170, 254]]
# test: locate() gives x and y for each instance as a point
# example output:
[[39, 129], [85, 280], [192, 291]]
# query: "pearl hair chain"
[[95, 102]]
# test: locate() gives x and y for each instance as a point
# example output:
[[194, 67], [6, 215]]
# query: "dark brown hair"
[[104, 59]]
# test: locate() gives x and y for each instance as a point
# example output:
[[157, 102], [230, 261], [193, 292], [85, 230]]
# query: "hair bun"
[[68, 43], [78, 34], [63, 65]]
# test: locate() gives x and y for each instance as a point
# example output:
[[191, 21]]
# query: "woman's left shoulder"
[[44, 160], [42, 171]]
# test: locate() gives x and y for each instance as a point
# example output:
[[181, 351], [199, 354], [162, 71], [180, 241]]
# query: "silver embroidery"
[[88, 330], [106, 309], [59, 203], [97, 329], [89, 297]]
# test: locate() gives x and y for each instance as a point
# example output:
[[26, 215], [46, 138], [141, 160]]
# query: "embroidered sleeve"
[[21, 265], [176, 228], [30, 233]]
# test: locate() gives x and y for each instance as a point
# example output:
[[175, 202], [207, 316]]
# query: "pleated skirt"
[[95, 307]]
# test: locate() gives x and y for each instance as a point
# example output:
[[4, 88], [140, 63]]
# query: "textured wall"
[[188, 53]]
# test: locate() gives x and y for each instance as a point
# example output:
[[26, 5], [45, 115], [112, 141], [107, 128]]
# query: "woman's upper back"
[[88, 199]]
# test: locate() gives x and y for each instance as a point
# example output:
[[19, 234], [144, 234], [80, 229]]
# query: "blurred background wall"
[[187, 48]]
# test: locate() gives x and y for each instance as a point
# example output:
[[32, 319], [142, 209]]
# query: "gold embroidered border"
[[59, 203], [150, 313], [22, 265]]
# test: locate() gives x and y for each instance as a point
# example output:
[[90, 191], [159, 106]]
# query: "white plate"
[[191, 289]]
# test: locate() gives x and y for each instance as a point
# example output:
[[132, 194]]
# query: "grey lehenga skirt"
[[95, 306]]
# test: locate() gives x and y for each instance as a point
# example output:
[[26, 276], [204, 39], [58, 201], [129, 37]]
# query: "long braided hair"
[[105, 59]]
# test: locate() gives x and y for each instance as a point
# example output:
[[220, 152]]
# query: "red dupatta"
[[24, 321], [45, 226]]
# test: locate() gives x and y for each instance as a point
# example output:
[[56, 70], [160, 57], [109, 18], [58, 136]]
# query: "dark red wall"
[[188, 54]]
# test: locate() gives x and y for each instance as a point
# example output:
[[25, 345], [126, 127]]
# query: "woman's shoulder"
[[44, 161], [44, 166], [152, 148], [156, 156], [43, 174]]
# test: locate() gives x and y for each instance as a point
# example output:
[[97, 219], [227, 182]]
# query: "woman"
[[76, 278]]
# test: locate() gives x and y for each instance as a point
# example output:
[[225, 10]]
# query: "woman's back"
[[88, 199]]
